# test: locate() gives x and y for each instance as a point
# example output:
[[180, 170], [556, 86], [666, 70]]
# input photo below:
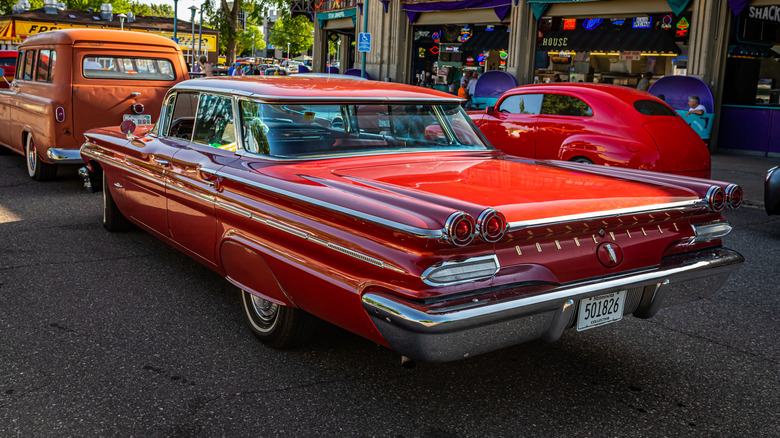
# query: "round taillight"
[[716, 198], [59, 114], [492, 225], [460, 228], [734, 196], [137, 108]]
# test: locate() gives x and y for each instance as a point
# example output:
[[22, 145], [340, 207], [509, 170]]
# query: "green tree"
[[297, 32], [224, 18], [120, 6]]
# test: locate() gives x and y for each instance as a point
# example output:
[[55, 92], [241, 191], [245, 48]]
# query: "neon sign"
[[569, 24], [667, 22], [591, 23], [465, 34], [682, 27], [642, 22], [434, 50], [436, 37]]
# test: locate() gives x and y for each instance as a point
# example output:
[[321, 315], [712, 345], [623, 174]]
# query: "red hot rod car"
[[594, 123], [380, 208]]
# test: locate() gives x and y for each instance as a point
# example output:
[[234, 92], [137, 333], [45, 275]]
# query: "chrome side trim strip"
[[414, 231], [519, 225], [184, 191]]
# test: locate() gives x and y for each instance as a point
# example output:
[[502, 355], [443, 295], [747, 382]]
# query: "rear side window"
[[132, 69], [653, 108], [522, 104], [46, 60], [562, 105]]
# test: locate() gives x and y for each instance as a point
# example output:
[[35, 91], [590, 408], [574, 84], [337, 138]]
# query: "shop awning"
[[482, 41], [609, 41], [539, 7], [414, 7]]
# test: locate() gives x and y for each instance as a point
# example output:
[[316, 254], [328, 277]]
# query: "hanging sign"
[[634, 55]]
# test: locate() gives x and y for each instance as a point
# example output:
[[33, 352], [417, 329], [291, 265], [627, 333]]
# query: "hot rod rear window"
[[134, 69]]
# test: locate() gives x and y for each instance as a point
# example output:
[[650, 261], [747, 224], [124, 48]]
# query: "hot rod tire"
[[581, 160], [113, 220], [275, 325], [37, 168]]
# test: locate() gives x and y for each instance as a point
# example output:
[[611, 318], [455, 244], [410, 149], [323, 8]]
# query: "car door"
[[192, 178], [146, 161], [511, 127], [561, 116]]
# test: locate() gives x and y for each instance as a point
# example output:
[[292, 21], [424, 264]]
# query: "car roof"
[[71, 36], [300, 88], [603, 91]]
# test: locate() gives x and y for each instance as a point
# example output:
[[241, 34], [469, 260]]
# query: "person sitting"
[[644, 83], [695, 106]]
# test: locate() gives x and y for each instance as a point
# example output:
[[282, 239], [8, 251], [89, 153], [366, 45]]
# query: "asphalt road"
[[120, 335]]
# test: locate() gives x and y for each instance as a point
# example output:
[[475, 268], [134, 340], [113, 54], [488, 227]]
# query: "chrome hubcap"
[[31, 154], [265, 310]]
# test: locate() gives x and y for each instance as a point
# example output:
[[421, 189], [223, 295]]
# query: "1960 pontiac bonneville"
[[380, 208]]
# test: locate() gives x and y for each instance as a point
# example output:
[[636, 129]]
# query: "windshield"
[[296, 130]]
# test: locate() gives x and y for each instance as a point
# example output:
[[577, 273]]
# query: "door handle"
[[209, 176], [161, 162]]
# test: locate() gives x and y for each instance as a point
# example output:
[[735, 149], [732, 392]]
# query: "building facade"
[[616, 41]]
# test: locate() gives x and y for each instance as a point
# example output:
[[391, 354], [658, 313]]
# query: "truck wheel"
[[277, 326], [113, 220], [37, 168]]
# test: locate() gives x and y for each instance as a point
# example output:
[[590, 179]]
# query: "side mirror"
[[128, 128], [490, 110]]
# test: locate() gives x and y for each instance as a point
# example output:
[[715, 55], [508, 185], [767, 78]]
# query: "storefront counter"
[[750, 128]]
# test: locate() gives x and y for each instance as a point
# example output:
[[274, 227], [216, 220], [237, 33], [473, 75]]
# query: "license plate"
[[139, 119], [601, 310]]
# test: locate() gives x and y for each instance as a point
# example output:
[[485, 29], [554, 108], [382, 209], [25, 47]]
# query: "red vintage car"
[[379, 207], [594, 123], [8, 64]]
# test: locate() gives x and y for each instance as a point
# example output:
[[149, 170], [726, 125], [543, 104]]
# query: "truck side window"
[[29, 64], [46, 60], [19, 64]]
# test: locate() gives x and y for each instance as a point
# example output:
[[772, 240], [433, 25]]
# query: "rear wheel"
[[581, 160], [113, 220], [37, 168], [275, 325]]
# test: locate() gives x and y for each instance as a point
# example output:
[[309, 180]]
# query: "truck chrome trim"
[[444, 333], [64, 156]]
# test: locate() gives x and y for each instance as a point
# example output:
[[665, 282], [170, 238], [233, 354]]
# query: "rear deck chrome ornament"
[[609, 254]]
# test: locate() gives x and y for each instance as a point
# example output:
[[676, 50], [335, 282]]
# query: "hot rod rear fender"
[[246, 268], [611, 151]]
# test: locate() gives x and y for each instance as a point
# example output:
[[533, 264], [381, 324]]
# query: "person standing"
[[205, 66], [644, 83]]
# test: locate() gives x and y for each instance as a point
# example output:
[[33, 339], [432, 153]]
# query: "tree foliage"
[[224, 18], [294, 31], [120, 6]]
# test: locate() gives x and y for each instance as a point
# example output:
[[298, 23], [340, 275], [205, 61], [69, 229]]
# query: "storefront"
[[615, 50], [476, 38], [750, 119], [338, 27]]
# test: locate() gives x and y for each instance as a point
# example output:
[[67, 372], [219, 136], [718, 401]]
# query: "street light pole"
[[200, 31], [365, 29], [253, 45], [122, 21], [175, 26], [192, 42], [288, 49]]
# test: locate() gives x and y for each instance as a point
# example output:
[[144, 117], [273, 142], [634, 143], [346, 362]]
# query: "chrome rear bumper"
[[442, 334], [64, 156]]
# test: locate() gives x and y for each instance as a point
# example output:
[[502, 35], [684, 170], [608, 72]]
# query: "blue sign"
[[364, 42], [591, 23], [642, 22]]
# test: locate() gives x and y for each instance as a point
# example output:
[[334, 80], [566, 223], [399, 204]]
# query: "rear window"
[[653, 108], [132, 69]]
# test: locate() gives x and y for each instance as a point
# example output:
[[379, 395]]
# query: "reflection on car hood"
[[524, 190]]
